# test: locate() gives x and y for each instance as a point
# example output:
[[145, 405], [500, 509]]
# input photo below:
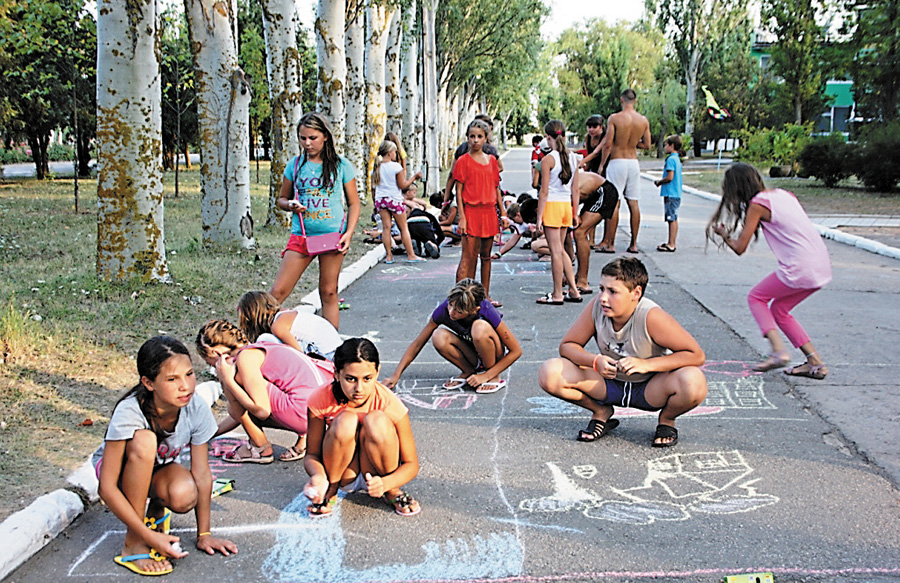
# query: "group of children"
[[291, 370]]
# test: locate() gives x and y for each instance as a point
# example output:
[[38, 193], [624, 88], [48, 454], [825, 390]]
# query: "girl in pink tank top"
[[803, 263]]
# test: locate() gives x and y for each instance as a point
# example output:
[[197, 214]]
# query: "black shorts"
[[602, 201]]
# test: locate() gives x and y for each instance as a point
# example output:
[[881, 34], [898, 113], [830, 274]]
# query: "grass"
[[848, 198], [68, 340]]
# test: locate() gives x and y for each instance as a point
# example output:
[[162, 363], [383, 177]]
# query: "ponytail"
[[384, 149], [557, 130]]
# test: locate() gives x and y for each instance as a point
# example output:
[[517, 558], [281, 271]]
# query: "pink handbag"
[[318, 244]]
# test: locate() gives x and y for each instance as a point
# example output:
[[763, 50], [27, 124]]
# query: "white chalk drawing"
[[676, 487], [735, 393], [316, 554], [430, 394]]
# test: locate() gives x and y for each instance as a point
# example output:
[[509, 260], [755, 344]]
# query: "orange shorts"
[[558, 214], [482, 221]]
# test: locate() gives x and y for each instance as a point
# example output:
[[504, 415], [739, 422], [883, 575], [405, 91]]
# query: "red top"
[[479, 181]]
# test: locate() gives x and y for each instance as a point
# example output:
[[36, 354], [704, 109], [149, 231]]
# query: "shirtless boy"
[[646, 361], [627, 131]]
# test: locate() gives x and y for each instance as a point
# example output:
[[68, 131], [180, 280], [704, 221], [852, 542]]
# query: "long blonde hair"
[[256, 312], [384, 149]]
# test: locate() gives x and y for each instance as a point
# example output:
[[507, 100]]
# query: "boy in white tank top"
[[646, 360]]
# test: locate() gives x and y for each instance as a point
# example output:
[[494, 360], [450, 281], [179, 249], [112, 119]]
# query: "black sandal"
[[404, 504], [597, 429], [665, 432]]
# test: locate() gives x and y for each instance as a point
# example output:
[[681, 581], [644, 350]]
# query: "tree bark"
[[409, 94], [130, 236], [392, 76], [332, 65], [284, 73], [223, 109], [430, 97], [378, 19], [355, 139]]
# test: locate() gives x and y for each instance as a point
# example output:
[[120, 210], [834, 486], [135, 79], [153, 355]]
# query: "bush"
[[60, 152], [13, 156], [830, 159], [781, 146], [877, 164]]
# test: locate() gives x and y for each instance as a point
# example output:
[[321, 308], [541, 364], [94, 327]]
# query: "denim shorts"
[[671, 205]]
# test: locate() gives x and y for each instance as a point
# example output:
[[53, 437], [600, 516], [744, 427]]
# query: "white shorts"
[[625, 174]]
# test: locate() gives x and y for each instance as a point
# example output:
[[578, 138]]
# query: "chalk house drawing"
[[675, 487], [739, 393], [430, 394], [312, 550]]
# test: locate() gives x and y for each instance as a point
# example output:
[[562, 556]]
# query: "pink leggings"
[[783, 298]]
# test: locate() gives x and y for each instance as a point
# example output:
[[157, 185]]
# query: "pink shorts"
[[391, 205]]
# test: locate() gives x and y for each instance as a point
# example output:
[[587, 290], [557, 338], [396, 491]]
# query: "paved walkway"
[[772, 474]]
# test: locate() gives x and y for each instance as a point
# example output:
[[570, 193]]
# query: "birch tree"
[[409, 90], [284, 73], [378, 20], [332, 65], [130, 235], [392, 75], [430, 95], [223, 109], [355, 46]]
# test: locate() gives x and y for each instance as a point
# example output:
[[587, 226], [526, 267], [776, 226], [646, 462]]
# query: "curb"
[[826, 232], [29, 530]]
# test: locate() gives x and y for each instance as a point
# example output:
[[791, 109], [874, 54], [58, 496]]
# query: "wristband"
[[204, 534], [594, 364]]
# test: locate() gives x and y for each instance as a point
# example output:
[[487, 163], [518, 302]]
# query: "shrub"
[[828, 158], [60, 152], [780, 146], [877, 164], [13, 156]]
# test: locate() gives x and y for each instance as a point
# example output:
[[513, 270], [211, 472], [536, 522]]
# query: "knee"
[[328, 292], [692, 384], [377, 427], [343, 427], [440, 339], [550, 377], [141, 449], [481, 330], [183, 495]]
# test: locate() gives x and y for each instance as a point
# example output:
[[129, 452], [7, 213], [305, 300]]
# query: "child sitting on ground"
[[448, 218], [149, 428], [520, 229], [475, 339], [646, 361], [360, 439]]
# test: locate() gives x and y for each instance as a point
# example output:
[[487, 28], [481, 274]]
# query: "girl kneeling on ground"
[[360, 439], [150, 426], [266, 385]]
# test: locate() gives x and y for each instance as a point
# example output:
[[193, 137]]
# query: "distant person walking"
[[627, 131], [803, 262]]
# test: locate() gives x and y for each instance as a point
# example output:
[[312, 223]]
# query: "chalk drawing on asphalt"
[[738, 393], [489, 555], [676, 487], [430, 394]]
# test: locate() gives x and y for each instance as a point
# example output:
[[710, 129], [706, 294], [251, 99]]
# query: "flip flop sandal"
[[597, 429], [604, 250], [773, 361], [814, 372], [492, 387], [404, 504], [548, 300], [291, 454], [163, 524], [665, 432], [247, 453], [585, 291], [496, 303], [128, 563], [454, 383], [322, 509], [572, 300], [664, 248]]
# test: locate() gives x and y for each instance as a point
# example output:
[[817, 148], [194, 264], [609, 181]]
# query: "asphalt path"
[[767, 475]]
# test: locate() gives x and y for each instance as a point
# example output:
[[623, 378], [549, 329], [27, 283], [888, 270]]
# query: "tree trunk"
[[187, 157], [690, 79], [284, 74], [355, 138], [223, 111], [409, 94], [332, 65], [392, 76], [130, 236], [378, 19], [84, 154], [430, 97], [39, 145]]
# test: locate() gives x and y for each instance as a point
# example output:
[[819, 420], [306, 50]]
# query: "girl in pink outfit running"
[[803, 263]]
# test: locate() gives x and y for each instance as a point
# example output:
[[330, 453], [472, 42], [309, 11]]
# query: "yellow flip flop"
[[129, 563], [163, 524]]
